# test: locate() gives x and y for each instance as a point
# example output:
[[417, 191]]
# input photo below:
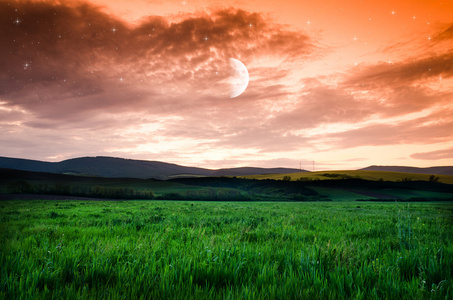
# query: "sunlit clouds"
[[87, 79]]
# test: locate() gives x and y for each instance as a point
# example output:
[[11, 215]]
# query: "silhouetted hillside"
[[253, 171], [430, 170], [127, 168]]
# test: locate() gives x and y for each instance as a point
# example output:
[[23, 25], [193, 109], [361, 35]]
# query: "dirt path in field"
[[4, 197]]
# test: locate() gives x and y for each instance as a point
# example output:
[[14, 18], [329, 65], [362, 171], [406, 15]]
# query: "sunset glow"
[[346, 84]]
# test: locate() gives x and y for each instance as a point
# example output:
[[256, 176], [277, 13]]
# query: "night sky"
[[346, 84]]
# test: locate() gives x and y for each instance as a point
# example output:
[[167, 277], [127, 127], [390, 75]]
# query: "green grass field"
[[367, 175], [338, 194], [225, 250], [158, 187]]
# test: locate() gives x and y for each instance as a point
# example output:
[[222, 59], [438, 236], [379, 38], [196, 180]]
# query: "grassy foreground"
[[225, 250]]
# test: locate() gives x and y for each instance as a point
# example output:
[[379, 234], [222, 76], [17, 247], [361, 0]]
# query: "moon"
[[239, 78]]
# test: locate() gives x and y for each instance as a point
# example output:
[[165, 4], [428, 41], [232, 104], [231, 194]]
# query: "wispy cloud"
[[404, 73], [435, 155], [434, 128]]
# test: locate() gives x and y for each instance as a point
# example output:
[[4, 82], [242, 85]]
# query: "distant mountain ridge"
[[113, 167], [448, 170]]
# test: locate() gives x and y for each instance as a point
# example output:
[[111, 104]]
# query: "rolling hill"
[[17, 184], [344, 174], [402, 169], [112, 167]]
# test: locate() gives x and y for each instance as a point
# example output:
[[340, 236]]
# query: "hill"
[[337, 188], [196, 188], [350, 174], [112, 167], [430, 170], [42, 182]]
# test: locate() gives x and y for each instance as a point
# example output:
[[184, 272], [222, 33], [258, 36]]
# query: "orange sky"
[[344, 83]]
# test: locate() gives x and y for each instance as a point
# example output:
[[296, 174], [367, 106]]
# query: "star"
[[308, 22], [355, 38], [17, 22]]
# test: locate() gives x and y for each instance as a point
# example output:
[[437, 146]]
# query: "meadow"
[[307, 186], [225, 250], [346, 174]]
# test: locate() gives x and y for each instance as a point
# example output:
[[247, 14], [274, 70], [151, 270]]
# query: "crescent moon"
[[239, 78]]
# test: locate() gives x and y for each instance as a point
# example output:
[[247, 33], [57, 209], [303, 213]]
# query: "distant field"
[[225, 250], [43, 181], [337, 194], [319, 186], [368, 175], [340, 195]]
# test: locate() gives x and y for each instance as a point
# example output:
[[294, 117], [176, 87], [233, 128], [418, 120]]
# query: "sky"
[[344, 84]]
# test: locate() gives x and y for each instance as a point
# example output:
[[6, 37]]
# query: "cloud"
[[434, 155], [403, 73], [263, 139], [433, 128], [412, 75], [322, 105], [72, 62], [402, 100], [407, 86], [447, 34], [77, 72], [88, 82]]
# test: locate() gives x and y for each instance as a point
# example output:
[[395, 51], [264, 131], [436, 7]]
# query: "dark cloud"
[[434, 155], [407, 86], [229, 31], [435, 60], [403, 73], [61, 60], [447, 34]]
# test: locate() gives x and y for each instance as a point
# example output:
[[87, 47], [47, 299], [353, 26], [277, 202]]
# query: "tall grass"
[[404, 228], [234, 250]]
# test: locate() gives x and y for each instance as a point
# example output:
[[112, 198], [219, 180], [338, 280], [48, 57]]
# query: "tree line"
[[97, 191]]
